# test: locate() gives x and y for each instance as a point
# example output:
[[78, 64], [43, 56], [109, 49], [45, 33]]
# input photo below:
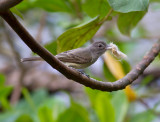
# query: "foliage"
[[98, 7], [86, 17], [126, 6], [77, 36], [127, 21], [4, 93]]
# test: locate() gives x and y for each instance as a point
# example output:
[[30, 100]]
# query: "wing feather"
[[80, 56]]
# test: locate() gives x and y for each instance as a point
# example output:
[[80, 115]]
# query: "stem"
[[106, 17]]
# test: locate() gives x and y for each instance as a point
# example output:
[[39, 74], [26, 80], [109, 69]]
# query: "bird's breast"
[[79, 66]]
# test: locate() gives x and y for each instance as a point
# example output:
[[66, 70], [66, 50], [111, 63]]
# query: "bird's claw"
[[81, 72]]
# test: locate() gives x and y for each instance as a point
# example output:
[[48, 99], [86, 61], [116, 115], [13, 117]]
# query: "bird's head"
[[99, 47]]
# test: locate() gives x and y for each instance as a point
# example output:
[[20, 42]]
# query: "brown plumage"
[[79, 58]]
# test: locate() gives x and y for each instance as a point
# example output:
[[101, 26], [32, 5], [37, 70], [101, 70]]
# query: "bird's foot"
[[81, 72]]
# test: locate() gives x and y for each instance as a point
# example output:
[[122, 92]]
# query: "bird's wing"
[[80, 56]]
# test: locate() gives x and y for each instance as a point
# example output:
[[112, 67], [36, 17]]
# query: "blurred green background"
[[35, 92]]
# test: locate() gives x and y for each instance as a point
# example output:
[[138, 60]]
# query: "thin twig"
[[41, 27], [106, 17], [73, 74]]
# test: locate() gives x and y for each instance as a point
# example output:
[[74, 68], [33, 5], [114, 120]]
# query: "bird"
[[79, 58]]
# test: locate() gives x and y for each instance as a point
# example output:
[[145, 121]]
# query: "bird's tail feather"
[[31, 59]]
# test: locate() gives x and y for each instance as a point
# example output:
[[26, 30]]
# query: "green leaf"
[[5, 103], [17, 12], [45, 114], [126, 6], [92, 94], [52, 47], [97, 7], [39, 99], [76, 113], [77, 36], [54, 5], [56, 103], [126, 66], [48, 5], [5, 91], [2, 80], [104, 108], [120, 103], [146, 116], [24, 118], [58, 106], [127, 21], [28, 98], [25, 5]]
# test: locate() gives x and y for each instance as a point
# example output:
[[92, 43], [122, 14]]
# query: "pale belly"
[[79, 66]]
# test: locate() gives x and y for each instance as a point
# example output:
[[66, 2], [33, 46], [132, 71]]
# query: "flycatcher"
[[79, 58]]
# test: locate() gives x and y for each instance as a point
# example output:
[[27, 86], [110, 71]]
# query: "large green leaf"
[[38, 100], [104, 108], [77, 36], [120, 103], [45, 114], [54, 5], [5, 91], [25, 5], [52, 47], [76, 113], [24, 118], [96, 7], [92, 94], [48, 5], [126, 6], [127, 21], [58, 105]]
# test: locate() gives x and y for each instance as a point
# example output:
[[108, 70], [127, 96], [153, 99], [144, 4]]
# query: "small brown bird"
[[79, 58]]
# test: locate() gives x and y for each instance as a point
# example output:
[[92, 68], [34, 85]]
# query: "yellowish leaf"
[[116, 69], [130, 93], [114, 66]]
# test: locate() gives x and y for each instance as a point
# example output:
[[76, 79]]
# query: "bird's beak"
[[108, 48]]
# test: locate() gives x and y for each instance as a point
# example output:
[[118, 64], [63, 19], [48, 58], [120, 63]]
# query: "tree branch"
[[73, 74], [7, 4]]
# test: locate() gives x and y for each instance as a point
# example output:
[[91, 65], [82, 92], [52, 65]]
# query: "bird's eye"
[[99, 45]]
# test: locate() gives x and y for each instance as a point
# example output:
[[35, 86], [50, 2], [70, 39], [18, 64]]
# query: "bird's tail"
[[31, 59]]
